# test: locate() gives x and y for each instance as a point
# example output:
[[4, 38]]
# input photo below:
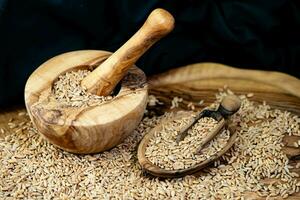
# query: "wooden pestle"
[[106, 76]]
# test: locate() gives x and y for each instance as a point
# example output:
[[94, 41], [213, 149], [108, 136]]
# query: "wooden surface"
[[104, 78], [194, 84], [247, 80], [84, 130]]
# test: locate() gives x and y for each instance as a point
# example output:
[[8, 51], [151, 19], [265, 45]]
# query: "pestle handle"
[[106, 76]]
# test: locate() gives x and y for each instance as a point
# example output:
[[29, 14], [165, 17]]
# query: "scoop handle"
[[107, 75], [230, 104]]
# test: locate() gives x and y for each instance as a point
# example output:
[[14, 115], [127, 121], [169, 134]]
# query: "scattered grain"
[[153, 101], [191, 106], [22, 113], [32, 168], [175, 102], [201, 102], [249, 95]]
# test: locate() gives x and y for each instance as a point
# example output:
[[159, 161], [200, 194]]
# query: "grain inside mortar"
[[32, 168], [165, 152], [67, 91]]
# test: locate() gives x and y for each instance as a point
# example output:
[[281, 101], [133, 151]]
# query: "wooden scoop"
[[97, 128], [229, 105]]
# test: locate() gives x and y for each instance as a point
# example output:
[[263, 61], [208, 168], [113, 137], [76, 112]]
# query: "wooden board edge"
[[207, 70]]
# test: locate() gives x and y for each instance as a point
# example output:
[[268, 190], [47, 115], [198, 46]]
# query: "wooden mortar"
[[96, 128]]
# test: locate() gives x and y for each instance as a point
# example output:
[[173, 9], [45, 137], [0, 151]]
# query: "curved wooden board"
[[201, 71], [201, 81]]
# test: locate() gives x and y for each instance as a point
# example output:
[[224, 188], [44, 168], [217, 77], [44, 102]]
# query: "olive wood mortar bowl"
[[89, 129], [96, 128]]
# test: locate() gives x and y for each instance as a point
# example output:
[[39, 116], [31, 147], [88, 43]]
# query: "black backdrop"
[[258, 34]]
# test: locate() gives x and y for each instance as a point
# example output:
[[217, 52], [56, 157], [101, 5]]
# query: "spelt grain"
[[32, 168], [68, 92]]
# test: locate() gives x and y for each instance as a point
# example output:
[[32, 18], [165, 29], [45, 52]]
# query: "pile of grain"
[[68, 91], [164, 151], [32, 168]]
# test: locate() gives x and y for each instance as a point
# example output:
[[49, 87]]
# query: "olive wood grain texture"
[[201, 82], [104, 79], [84, 130], [212, 71]]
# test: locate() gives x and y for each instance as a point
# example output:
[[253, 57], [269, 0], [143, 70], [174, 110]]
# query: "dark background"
[[258, 34]]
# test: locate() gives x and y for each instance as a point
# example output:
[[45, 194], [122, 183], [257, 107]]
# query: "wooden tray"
[[201, 82]]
